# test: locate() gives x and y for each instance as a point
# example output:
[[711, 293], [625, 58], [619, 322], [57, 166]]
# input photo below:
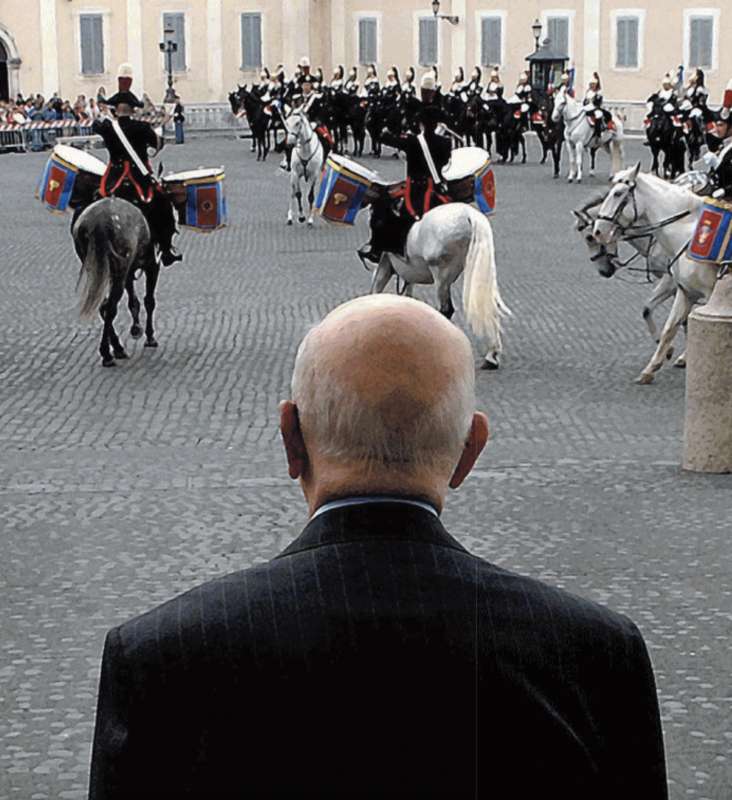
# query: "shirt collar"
[[347, 502]]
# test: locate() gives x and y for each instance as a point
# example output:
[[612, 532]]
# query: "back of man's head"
[[384, 392]]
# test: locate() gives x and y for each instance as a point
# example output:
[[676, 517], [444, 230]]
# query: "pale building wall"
[[46, 36]]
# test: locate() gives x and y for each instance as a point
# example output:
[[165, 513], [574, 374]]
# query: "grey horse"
[[113, 242]]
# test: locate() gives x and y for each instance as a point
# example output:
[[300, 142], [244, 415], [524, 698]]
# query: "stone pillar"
[[459, 43], [338, 35], [49, 48], [708, 422], [591, 42]]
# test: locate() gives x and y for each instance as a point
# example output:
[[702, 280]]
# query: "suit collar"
[[384, 521]]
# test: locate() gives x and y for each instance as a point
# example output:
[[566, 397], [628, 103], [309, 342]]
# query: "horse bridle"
[[614, 219], [304, 121]]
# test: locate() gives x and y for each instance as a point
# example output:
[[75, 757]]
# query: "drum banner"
[[205, 206], [57, 184], [340, 195], [484, 190], [712, 240]]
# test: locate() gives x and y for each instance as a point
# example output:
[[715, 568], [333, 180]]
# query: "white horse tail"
[[481, 299], [95, 273]]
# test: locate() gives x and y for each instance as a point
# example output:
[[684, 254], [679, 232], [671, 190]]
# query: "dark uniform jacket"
[[421, 193], [722, 175], [141, 136], [377, 658]]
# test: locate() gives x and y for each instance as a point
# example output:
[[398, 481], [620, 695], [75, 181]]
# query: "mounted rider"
[[352, 85], [408, 87], [427, 154], [597, 116], [337, 81], [694, 102], [392, 87], [371, 81], [312, 104], [494, 89], [721, 162], [458, 82], [474, 86], [129, 174]]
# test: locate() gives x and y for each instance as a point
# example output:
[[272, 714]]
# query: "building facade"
[[73, 47]]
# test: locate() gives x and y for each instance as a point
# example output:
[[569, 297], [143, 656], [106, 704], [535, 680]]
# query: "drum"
[[344, 188], [199, 198], [470, 178], [712, 240], [70, 178]]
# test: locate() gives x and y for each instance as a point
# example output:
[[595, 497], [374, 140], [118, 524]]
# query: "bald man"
[[375, 657]]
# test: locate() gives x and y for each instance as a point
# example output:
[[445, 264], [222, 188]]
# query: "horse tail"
[[95, 271], [481, 298]]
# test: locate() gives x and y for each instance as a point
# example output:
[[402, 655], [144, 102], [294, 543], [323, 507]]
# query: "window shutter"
[[367, 40], [701, 34], [558, 33], [177, 23], [427, 41], [251, 41], [92, 44], [627, 42], [490, 41]]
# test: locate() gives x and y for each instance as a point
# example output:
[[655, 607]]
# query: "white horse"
[[307, 161], [579, 135], [639, 202], [608, 262], [448, 241]]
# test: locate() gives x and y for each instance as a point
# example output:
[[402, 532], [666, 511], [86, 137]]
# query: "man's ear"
[[297, 456], [477, 438]]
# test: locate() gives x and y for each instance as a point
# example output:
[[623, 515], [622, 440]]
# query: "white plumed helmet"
[[428, 81]]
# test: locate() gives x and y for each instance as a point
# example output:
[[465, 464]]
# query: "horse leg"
[[679, 312], [661, 292], [382, 275], [522, 142], [298, 195], [108, 310], [311, 203], [444, 297], [593, 157], [579, 158], [134, 306], [151, 281]]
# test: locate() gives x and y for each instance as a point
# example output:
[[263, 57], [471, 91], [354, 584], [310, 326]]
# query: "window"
[[91, 34], [491, 35], [701, 41], [557, 31], [177, 23], [428, 55], [251, 41], [367, 40], [626, 45]]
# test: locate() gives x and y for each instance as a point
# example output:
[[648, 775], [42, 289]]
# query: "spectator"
[[178, 120], [376, 657]]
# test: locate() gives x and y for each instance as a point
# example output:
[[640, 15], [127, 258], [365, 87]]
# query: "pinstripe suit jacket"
[[376, 657]]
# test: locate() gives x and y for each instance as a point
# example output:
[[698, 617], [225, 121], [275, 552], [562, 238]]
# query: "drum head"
[[80, 159], [355, 168], [193, 175], [465, 162]]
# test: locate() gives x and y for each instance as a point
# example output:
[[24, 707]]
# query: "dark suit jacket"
[[376, 657]]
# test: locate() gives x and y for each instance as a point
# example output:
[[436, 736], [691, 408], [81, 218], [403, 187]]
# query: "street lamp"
[[536, 30], [453, 20], [169, 47]]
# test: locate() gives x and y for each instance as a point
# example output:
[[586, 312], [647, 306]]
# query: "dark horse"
[[113, 241], [549, 133], [665, 135]]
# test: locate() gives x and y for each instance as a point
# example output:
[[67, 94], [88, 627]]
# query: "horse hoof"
[[121, 355], [151, 342], [570, 180], [135, 331], [108, 362], [289, 222], [579, 180], [301, 219], [670, 354], [489, 364], [644, 378], [310, 223], [680, 363]]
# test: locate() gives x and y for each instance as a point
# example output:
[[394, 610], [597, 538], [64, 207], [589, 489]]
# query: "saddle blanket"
[[712, 240]]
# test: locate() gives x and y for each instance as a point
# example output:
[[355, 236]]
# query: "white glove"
[[710, 160], [718, 194]]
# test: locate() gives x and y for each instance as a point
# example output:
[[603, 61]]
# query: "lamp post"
[[169, 47], [536, 30], [452, 19]]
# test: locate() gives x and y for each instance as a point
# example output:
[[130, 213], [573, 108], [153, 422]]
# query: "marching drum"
[[712, 240], [199, 198], [69, 178], [344, 187], [470, 178]]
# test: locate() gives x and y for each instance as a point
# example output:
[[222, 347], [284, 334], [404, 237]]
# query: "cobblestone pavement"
[[120, 488]]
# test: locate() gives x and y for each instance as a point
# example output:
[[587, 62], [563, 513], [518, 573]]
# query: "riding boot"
[[286, 163], [160, 217]]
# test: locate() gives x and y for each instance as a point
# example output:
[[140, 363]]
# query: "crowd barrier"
[[24, 136]]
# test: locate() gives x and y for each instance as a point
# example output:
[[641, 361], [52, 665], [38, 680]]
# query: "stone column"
[[338, 36], [49, 47], [459, 43], [708, 422]]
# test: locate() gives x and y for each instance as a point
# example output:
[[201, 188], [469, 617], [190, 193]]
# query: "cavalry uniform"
[[592, 104], [352, 84], [408, 87], [721, 174], [474, 86], [129, 174], [494, 89], [313, 107], [427, 154]]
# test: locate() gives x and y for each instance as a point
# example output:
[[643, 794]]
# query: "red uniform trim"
[[104, 191]]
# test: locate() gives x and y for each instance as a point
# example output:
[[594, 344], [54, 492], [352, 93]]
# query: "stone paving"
[[120, 488]]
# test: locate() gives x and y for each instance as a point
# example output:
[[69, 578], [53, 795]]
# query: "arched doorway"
[[4, 83]]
